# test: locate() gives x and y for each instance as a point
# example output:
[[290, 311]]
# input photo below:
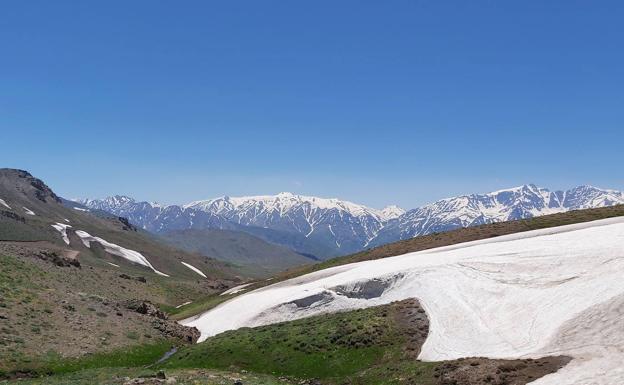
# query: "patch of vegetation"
[[17, 279], [117, 376], [361, 346], [136, 356], [196, 307], [132, 335]]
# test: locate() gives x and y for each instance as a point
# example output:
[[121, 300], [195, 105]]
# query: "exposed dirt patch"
[[411, 318], [472, 371]]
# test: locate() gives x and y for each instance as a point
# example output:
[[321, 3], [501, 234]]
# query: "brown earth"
[[51, 302]]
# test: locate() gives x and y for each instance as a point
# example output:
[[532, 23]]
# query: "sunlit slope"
[[536, 293]]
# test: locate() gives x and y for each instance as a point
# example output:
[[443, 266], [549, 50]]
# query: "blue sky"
[[376, 102]]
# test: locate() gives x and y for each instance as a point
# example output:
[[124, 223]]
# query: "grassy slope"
[[119, 376], [20, 189], [263, 258], [49, 310], [340, 346], [368, 346], [361, 346], [377, 345]]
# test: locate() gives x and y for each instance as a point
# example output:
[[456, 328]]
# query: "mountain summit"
[[504, 205], [326, 227]]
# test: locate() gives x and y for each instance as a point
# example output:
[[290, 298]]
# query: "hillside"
[[366, 346], [73, 283], [532, 294], [258, 257]]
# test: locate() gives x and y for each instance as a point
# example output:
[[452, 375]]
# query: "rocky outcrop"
[[58, 260], [175, 330], [42, 191], [147, 308], [129, 277], [162, 323], [127, 226]]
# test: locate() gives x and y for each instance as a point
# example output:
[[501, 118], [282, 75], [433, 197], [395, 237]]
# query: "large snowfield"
[[557, 291]]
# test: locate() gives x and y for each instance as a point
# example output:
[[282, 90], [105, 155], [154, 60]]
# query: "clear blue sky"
[[376, 102]]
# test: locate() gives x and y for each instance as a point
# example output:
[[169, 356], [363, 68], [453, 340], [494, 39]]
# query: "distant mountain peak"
[[391, 212], [334, 226], [519, 202]]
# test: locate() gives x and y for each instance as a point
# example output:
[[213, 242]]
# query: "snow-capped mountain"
[[310, 225], [329, 227], [346, 225], [157, 218], [511, 204]]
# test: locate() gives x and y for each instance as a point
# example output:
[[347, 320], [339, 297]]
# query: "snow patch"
[[194, 269], [183, 304], [3, 203], [556, 291], [80, 209], [62, 228], [28, 211], [236, 289], [130, 255], [113, 264]]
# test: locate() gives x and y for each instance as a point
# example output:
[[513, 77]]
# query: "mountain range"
[[325, 228]]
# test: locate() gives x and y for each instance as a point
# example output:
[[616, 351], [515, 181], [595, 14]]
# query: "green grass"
[[17, 277], [116, 376], [196, 307], [361, 346], [136, 356]]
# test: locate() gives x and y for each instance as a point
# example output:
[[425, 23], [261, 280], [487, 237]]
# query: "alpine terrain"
[[326, 228], [87, 297]]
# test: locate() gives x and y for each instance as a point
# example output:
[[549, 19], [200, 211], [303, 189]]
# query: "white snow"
[[391, 212], [130, 255], [80, 209], [281, 203], [555, 291], [62, 228], [194, 269], [236, 289], [3, 203], [66, 220], [113, 264], [28, 211], [183, 304]]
